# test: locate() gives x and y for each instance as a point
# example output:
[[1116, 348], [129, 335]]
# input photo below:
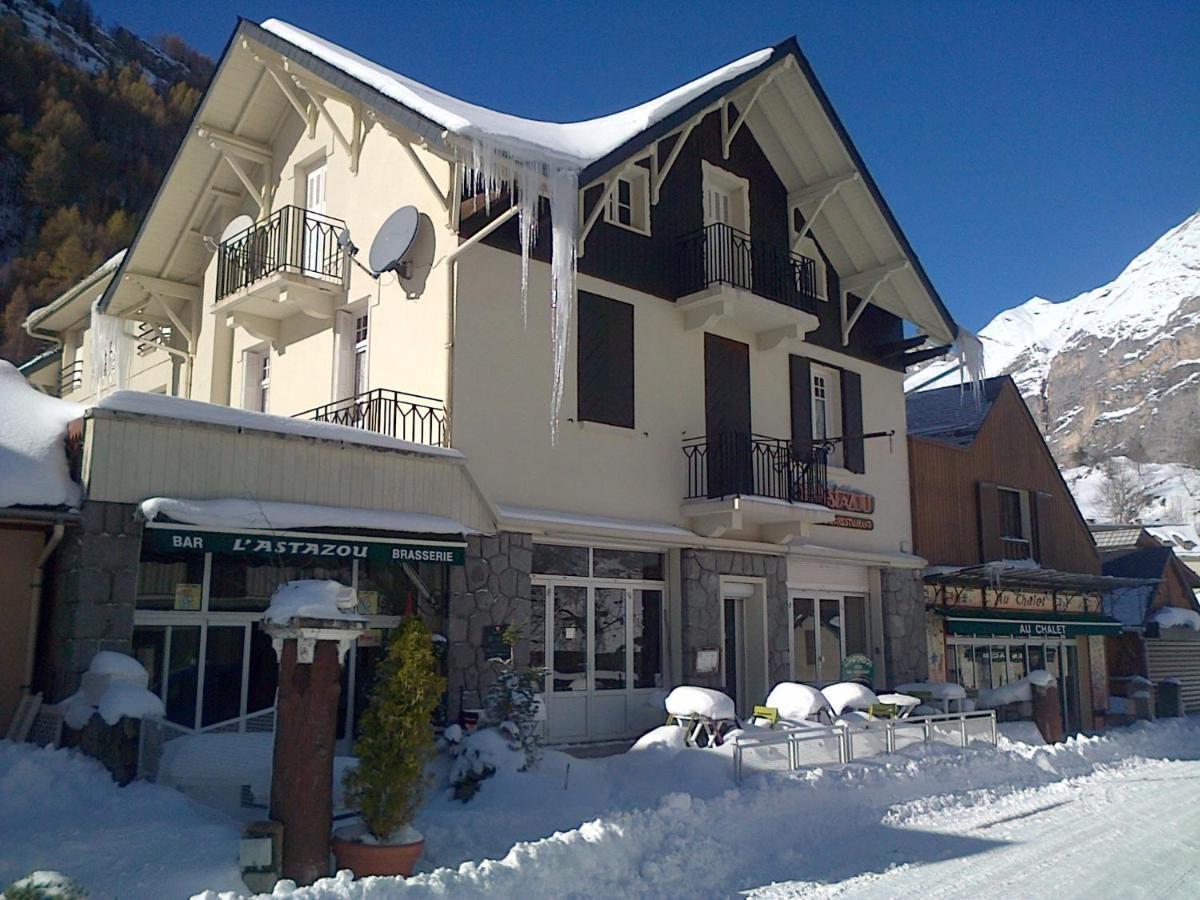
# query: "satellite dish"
[[394, 239], [236, 227]]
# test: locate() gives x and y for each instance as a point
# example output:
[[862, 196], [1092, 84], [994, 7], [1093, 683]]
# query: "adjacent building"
[[703, 478], [1015, 580]]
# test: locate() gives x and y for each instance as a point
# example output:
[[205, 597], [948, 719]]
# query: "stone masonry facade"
[[904, 628], [702, 609], [92, 599], [492, 589]]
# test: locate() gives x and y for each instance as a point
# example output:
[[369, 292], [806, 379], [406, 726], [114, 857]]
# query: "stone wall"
[[90, 604], [491, 589], [702, 608], [904, 628]]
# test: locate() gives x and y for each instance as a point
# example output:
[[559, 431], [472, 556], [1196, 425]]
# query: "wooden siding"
[[128, 459], [1008, 451]]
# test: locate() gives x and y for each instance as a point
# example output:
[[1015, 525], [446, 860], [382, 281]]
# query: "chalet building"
[[1161, 618], [718, 496], [1015, 580]]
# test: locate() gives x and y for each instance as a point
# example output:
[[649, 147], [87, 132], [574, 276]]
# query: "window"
[[810, 278], [1014, 523], [827, 410], [605, 361], [629, 202], [264, 381], [360, 354]]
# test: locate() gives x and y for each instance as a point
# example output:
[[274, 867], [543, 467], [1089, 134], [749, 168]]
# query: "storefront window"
[[647, 639], [999, 666], [183, 674], [222, 674], [246, 583], [169, 581], [610, 639], [804, 636], [264, 671], [557, 559], [391, 589], [570, 639], [1016, 663], [537, 626], [854, 626], [635, 564], [149, 648]]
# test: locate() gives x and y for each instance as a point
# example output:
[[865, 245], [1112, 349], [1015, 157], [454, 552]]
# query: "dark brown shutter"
[[990, 547], [801, 384], [605, 360], [852, 422], [1041, 512]]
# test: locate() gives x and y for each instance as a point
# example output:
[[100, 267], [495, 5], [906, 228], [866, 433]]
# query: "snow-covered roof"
[[33, 456], [577, 143], [234, 512], [952, 414], [147, 404], [80, 293], [1183, 538]]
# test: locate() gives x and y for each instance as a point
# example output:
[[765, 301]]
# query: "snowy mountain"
[[1172, 491], [1114, 371]]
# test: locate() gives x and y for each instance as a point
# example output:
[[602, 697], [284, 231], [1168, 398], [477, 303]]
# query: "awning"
[[1003, 623], [1005, 576]]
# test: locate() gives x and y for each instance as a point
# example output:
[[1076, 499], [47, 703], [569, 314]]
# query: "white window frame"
[[252, 378], [816, 597], [829, 380], [638, 180], [737, 186], [1026, 521]]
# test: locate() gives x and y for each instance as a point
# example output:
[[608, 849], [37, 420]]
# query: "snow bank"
[[233, 512], [313, 599], [115, 686], [938, 690], [797, 701], [147, 404], [1020, 691], [33, 458], [848, 695], [1175, 617], [697, 701], [663, 739]]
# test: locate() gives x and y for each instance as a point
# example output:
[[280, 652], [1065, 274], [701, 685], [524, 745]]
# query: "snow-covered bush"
[[397, 734], [480, 755], [44, 886]]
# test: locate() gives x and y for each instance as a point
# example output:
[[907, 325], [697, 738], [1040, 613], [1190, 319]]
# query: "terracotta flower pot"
[[376, 859]]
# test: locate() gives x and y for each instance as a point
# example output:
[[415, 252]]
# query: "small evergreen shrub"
[[397, 734]]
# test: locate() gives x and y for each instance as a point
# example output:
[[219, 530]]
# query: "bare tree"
[[1124, 494]]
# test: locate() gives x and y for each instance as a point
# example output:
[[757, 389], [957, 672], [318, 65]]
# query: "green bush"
[[397, 734]]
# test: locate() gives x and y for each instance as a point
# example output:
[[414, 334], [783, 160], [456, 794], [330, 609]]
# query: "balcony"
[[737, 480], [722, 273], [409, 417], [290, 263], [70, 379]]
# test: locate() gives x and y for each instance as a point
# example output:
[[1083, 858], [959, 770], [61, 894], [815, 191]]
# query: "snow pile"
[[533, 157], [668, 739], [848, 695], [61, 811], [1174, 617], [313, 599], [938, 690], [797, 701], [33, 458], [233, 512], [698, 701], [1019, 691], [116, 687]]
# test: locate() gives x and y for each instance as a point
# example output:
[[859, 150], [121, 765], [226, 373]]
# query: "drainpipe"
[[35, 600], [452, 308]]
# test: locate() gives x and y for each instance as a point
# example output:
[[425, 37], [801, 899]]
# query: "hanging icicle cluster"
[[970, 362], [493, 168], [112, 352]]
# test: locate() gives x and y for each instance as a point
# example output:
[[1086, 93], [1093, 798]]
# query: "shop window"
[[170, 581], [570, 639], [609, 645], [537, 626], [388, 589], [149, 648], [647, 639], [264, 671], [558, 559], [635, 564], [183, 674], [854, 625], [245, 583], [223, 651]]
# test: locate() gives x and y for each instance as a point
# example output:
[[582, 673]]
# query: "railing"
[[721, 254], [292, 240], [738, 463], [791, 749], [70, 379], [409, 417], [1016, 548]]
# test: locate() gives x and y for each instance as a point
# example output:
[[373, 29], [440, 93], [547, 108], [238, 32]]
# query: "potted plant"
[[395, 744]]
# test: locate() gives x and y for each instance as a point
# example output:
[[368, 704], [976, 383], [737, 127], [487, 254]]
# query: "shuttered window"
[[827, 402], [605, 363]]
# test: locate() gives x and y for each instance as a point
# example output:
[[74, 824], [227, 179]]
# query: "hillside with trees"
[[89, 122]]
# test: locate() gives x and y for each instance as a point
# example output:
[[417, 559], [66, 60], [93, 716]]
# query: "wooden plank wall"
[[1010, 452]]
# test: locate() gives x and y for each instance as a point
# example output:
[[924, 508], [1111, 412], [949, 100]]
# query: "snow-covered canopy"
[[1175, 617], [234, 512], [33, 458]]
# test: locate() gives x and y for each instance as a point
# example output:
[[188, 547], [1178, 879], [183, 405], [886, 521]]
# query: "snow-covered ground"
[[1093, 817], [1174, 491]]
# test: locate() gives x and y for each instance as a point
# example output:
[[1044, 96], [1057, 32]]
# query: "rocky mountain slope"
[[1114, 371]]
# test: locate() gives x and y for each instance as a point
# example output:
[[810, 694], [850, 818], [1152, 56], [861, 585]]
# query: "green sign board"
[[1032, 628], [857, 667], [257, 543]]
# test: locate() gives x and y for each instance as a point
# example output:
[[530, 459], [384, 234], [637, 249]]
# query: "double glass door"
[[599, 644], [825, 630]]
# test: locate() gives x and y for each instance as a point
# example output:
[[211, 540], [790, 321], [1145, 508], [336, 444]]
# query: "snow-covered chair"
[[705, 714]]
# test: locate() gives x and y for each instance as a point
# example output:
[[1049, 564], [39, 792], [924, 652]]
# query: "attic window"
[[629, 203]]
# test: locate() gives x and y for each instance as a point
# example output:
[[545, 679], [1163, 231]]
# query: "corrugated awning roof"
[[997, 577]]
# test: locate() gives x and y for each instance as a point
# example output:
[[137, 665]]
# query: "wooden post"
[[302, 780], [1047, 712]]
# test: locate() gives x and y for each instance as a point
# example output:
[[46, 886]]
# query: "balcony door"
[[727, 416], [314, 201], [727, 254]]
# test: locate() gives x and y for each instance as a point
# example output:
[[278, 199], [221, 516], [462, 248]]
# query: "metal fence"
[[738, 463], [291, 240], [721, 254], [409, 417], [795, 748]]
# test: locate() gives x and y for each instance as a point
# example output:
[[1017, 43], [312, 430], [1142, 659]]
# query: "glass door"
[[829, 642], [825, 630]]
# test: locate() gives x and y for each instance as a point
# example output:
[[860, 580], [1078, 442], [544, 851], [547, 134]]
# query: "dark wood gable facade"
[[960, 494]]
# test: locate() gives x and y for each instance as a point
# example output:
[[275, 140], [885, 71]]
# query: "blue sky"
[[1026, 148]]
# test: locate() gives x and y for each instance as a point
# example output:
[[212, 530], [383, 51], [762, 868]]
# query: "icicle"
[[564, 222], [970, 362], [529, 184], [111, 352]]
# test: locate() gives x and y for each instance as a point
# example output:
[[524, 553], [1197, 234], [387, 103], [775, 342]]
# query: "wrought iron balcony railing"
[[292, 240], [720, 254], [409, 417], [736, 463], [70, 379]]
